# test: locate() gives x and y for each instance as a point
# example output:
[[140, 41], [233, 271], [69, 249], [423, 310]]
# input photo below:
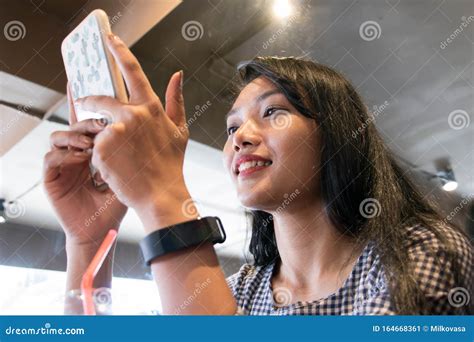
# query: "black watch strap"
[[182, 235]]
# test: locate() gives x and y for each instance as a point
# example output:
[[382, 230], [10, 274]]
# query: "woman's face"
[[272, 150]]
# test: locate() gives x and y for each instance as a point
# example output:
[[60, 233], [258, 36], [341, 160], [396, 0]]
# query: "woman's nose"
[[245, 136]]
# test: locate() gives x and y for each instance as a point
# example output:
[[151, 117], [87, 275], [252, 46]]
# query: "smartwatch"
[[180, 236]]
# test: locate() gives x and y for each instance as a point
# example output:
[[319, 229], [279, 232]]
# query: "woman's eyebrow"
[[259, 99]]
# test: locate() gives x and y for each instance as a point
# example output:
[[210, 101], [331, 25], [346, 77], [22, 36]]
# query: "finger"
[[106, 106], [72, 111], [55, 159], [137, 83], [174, 99], [63, 139], [89, 126]]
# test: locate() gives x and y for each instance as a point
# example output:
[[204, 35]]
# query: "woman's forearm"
[[190, 281], [78, 259]]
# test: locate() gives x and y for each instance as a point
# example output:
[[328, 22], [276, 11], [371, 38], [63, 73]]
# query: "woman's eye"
[[270, 111], [231, 130]]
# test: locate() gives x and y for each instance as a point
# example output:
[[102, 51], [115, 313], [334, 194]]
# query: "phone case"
[[91, 69]]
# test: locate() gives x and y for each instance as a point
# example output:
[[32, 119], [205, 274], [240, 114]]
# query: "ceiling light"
[[447, 179], [282, 8]]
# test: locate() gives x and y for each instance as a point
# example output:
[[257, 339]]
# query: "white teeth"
[[253, 163]]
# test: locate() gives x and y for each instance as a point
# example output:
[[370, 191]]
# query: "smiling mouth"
[[252, 166]]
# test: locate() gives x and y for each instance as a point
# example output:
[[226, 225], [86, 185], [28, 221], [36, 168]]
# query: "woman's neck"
[[311, 248]]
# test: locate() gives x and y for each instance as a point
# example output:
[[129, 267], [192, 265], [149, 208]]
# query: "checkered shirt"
[[365, 291]]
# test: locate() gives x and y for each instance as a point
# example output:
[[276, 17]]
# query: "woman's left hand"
[[140, 154]]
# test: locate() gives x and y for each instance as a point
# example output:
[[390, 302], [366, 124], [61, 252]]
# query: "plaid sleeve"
[[434, 272]]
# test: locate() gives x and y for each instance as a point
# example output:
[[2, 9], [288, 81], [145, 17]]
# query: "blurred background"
[[412, 61]]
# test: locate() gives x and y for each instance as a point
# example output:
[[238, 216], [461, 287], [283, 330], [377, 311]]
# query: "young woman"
[[337, 227]]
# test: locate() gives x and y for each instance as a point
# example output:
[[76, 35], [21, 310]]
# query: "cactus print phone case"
[[90, 68]]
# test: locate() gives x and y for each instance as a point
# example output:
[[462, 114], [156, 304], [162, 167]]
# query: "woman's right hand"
[[85, 213]]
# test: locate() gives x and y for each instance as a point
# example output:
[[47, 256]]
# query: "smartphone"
[[91, 69]]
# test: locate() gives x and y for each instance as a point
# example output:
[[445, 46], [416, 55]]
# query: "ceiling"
[[419, 89], [418, 84]]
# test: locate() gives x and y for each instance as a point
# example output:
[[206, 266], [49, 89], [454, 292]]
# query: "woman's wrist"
[[79, 257], [167, 209]]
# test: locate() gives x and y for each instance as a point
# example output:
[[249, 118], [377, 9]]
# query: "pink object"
[[94, 267]]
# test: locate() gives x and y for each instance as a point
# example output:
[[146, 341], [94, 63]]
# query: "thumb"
[[174, 105]]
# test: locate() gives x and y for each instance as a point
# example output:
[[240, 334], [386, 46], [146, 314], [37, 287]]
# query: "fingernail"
[[114, 38], [182, 79], [101, 122]]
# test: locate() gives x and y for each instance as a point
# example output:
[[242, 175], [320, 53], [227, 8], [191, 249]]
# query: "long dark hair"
[[355, 166]]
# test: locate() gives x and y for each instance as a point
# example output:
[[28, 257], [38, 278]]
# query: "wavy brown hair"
[[355, 165]]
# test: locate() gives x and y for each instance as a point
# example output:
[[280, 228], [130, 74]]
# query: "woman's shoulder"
[[428, 248], [443, 265]]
